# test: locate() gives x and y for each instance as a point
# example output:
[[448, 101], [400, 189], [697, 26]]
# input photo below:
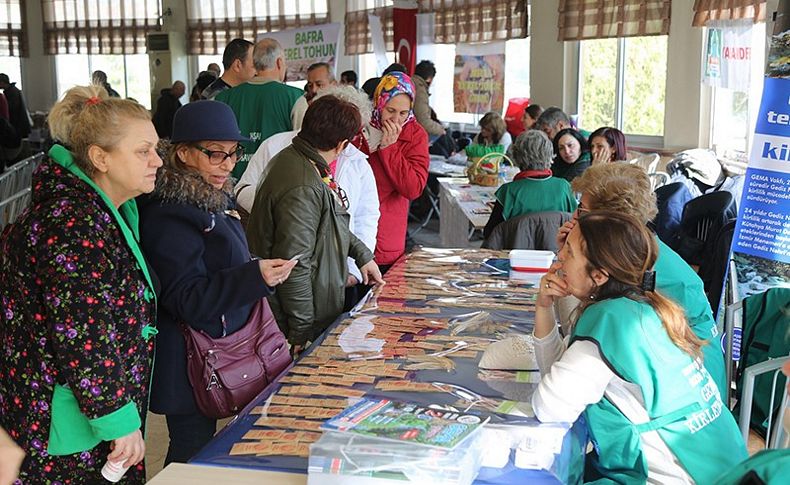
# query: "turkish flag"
[[405, 27]]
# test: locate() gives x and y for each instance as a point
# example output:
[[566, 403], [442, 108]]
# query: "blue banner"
[[763, 227]]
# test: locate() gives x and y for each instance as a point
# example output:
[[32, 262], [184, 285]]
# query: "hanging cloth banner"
[[728, 54], [479, 83], [306, 46], [377, 37], [404, 17]]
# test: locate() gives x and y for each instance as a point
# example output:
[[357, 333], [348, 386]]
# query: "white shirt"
[[353, 174], [577, 376]]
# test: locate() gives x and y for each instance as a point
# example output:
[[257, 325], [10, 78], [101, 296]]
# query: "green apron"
[[676, 280], [679, 395]]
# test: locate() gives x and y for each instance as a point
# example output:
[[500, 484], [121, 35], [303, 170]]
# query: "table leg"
[[453, 223]]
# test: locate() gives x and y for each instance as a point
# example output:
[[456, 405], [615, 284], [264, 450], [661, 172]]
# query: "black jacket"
[[19, 117], [166, 107], [198, 249]]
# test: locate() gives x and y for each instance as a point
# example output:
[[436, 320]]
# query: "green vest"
[[262, 109], [676, 280], [679, 395], [535, 195], [770, 466]]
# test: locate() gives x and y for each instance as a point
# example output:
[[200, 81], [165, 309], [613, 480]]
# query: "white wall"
[[553, 64]]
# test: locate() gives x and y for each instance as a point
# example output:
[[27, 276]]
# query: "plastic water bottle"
[[502, 174]]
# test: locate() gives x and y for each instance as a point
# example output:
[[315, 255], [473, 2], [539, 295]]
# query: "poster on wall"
[[728, 54], [305, 46], [479, 80]]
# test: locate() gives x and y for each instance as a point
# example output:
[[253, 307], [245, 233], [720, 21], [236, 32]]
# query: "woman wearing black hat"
[[193, 238]]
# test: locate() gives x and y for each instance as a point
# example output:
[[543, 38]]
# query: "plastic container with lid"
[[530, 261]]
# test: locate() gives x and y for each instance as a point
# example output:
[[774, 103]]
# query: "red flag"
[[405, 26]]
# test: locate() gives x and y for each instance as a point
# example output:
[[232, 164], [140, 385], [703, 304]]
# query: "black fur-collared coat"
[[193, 238]]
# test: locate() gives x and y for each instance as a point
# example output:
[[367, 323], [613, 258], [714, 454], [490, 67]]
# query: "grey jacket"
[[537, 230], [422, 109]]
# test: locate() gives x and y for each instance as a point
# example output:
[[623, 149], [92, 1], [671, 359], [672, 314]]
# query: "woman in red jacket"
[[398, 151]]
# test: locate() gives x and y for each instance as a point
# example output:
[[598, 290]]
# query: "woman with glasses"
[[192, 237], [301, 210]]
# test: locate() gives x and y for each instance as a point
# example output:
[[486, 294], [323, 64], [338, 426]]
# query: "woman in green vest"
[[632, 365], [533, 189]]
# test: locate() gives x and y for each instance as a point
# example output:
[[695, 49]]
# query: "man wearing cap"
[[264, 104]]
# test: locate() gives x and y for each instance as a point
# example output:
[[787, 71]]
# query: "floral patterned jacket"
[[78, 309]]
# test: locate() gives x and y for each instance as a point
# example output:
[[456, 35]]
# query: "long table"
[[462, 205], [440, 305]]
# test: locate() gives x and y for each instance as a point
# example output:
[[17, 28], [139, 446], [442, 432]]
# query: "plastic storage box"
[[530, 261], [339, 458]]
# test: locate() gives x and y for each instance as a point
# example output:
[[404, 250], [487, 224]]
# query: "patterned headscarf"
[[391, 85]]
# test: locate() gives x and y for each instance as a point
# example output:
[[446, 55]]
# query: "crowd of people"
[[120, 249]]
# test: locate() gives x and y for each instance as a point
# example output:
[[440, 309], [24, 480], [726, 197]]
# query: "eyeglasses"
[[580, 209], [218, 157]]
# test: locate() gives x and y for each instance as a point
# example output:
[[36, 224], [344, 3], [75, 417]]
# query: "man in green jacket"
[[263, 105], [301, 212]]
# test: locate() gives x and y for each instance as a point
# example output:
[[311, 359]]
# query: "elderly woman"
[[626, 189], [194, 240], [351, 170], [533, 189], [607, 145], [301, 211], [572, 156], [493, 131], [398, 150], [78, 298]]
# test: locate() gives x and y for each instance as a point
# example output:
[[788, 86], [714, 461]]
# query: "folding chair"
[[11, 207], [648, 161], [776, 436]]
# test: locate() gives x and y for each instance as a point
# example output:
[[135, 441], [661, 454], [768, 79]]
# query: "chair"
[[713, 270], [702, 219], [757, 343], [658, 179], [775, 437], [433, 208], [537, 230], [18, 176], [648, 161], [11, 207]]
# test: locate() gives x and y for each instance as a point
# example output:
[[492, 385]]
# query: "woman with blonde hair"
[[624, 188], [78, 298], [493, 131], [631, 365]]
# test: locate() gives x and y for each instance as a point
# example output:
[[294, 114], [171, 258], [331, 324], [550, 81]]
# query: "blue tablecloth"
[[468, 276]]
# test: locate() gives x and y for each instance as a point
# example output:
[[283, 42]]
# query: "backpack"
[[670, 200], [766, 335]]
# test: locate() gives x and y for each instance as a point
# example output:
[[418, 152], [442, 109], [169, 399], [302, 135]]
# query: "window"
[[732, 115], [127, 74], [11, 66], [622, 83], [211, 24], [12, 26], [106, 27]]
